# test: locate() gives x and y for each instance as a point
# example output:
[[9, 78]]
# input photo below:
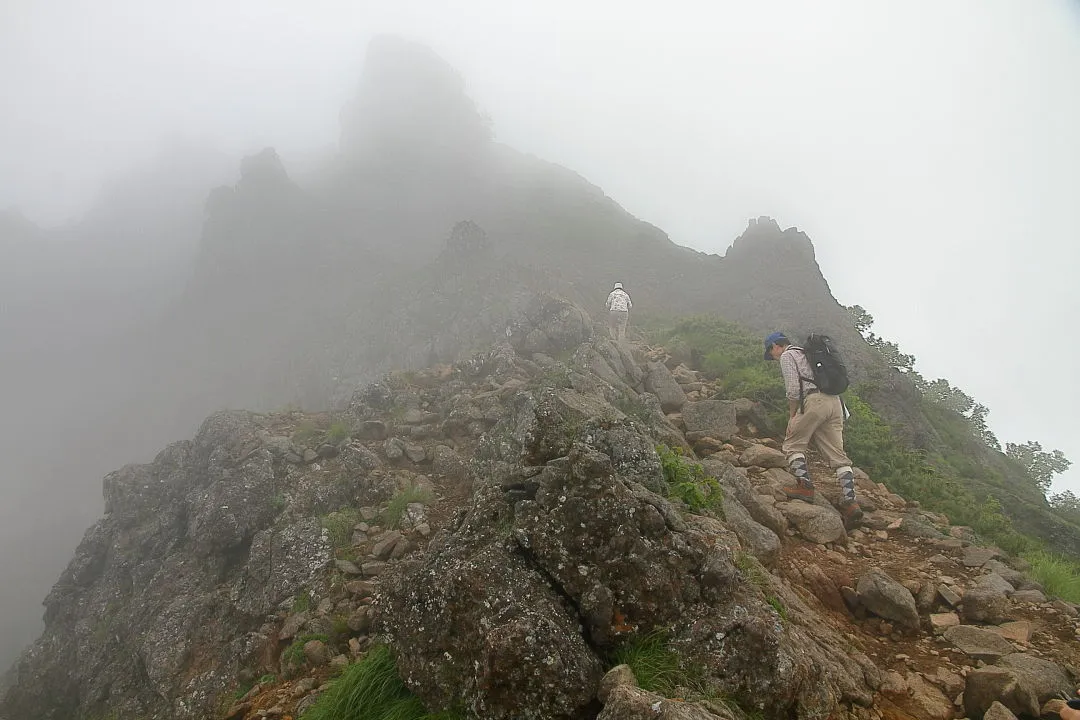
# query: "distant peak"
[[409, 98]]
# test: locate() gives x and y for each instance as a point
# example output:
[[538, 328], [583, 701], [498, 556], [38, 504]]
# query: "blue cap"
[[774, 339]]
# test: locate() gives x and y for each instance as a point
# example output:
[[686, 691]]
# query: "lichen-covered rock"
[[626, 702], [715, 418], [564, 547], [660, 383]]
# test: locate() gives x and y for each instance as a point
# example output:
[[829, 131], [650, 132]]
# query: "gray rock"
[[660, 383], [394, 449], [613, 678], [373, 568], [978, 556], [886, 598], [347, 567], [371, 430], [1028, 596], [356, 458], [714, 418], [626, 702], [946, 593], [292, 625], [986, 604], [360, 620], [995, 582], [762, 510], [447, 463], [991, 684], [385, 547], [310, 455], [759, 540], [1015, 578], [815, 523], [977, 643], [316, 652], [763, 456], [1042, 678], [415, 453], [998, 711]]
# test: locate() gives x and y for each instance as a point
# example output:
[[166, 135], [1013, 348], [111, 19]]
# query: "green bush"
[[371, 689], [687, 481]]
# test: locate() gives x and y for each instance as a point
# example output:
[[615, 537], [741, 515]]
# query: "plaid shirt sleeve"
[[791, 374]]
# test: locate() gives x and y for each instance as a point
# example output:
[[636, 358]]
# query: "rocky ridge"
[[505, 524]]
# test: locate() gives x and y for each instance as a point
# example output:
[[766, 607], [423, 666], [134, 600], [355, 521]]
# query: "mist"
[[930, 153]]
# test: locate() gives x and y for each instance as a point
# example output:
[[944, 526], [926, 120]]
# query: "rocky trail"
[[505, 524]]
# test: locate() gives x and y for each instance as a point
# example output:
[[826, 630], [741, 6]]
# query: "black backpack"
[[830, 375]]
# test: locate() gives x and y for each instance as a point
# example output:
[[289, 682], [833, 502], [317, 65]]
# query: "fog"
[[929, 150]]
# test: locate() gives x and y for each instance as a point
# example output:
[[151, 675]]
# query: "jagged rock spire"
[[409, 98]]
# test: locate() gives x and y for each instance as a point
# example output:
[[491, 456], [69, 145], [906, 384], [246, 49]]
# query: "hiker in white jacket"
[[618, 305]]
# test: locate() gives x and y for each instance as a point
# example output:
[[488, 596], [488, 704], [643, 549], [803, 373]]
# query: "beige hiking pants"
[[617, 320], [822, 423]]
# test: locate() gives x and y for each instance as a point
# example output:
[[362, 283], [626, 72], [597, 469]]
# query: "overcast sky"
[[930, 149]]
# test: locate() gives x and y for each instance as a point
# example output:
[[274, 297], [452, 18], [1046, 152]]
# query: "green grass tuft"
[[340, 526], [655, 664], [338, 432], [395, 509], [371, 689], [1059, 576]]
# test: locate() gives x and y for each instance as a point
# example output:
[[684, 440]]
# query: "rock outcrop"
[[505, 524]]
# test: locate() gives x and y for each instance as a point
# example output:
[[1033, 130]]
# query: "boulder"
[[975, 556], [1028, 596], [815, 523], [714, 418], [1015, 578], [415, 453], [626, 702], [447, 463], [997, 711], [761, 508], [759, 540], [940, 622], [886, 598], [996, 582], [763, 456], [1019, 631], [977, 643], [613, 678], [356, 458], [950, 596], [986, 603], [661, 383], [991, 684], [316, 652], [1042, 678]]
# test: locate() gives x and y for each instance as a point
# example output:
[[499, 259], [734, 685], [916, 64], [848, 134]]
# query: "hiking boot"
[[800, 492], [852, 515]]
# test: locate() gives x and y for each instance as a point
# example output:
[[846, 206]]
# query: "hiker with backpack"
[[618, 305], [814, 377]]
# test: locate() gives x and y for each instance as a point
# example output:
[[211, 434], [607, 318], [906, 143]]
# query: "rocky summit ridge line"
[[505, 523], [416, 243]]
